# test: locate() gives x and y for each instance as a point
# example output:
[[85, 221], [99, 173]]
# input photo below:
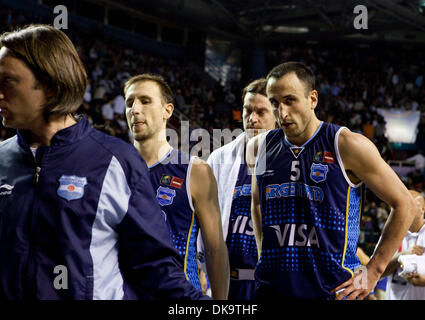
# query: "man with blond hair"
[[185, 187]]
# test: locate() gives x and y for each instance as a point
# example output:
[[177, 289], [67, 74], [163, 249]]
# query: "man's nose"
[[136, 108], [283, 111], [253, 118]]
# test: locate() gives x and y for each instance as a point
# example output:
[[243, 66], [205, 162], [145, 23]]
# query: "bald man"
[[412, 287]]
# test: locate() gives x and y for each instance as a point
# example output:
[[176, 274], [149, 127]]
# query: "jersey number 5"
[[295, 171]]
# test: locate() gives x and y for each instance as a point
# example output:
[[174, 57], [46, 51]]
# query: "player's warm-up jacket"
[[81, 221]]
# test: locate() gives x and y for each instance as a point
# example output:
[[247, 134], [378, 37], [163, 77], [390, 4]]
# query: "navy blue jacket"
[[81, 221]]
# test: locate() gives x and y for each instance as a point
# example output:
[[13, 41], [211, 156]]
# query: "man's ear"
[[314, 99], [167, 111]]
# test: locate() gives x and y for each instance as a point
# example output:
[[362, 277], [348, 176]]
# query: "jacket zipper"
[[36, 175], [31, 290]]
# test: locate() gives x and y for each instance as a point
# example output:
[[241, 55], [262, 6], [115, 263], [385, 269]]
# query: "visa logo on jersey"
[[243, 225], [305, 235], [294, 189]]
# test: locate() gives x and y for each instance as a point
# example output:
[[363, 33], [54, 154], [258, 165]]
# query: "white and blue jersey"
[[240, 241], [170, 178], [310, 216]]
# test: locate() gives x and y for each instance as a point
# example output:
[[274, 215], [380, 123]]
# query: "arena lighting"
[[286, 29], [401, 125]]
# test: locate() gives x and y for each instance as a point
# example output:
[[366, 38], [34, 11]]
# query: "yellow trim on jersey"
[[187, 245], [346, 231], [360, 208]]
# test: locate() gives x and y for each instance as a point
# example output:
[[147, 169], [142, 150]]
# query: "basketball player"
[[307, 198], [234, 190], [78, 215], [185, 186]]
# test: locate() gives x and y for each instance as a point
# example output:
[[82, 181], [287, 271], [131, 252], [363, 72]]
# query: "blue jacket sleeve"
[[151, 266]]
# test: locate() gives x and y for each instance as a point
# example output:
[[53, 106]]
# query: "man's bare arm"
[[205, 201], [251, 156], [360, 156]]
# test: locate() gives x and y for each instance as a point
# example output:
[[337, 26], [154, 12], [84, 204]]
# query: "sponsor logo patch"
[[244, 190], [171, 181], [71, 187], [324, 156], [328, 157], [165, 180], [176, 182], [318, 156]]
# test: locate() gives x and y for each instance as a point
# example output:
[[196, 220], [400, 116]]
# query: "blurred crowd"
[[352, 81]]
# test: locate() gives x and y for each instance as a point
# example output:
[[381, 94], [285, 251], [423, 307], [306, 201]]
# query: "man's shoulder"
[[232, 144], [124, 152]]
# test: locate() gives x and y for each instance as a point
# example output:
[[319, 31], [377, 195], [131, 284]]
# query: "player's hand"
[[418, 250], [416, 279], [359, 286]]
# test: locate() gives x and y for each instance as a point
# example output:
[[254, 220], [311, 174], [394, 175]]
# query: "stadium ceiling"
[[272, 20]]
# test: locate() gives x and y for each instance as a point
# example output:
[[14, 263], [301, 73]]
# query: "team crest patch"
[[318, 172], [71, 187], [165, 196]]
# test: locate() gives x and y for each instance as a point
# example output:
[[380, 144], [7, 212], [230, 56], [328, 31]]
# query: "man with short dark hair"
[[234, 189], [72, 199], [307, 198], [185, 186]]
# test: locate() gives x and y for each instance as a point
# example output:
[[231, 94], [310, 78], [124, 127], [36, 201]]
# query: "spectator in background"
[[378, 292], [419, 161], [412, 287], [381, 215], [119, 105], [180, 99], [236, 114], [368, 129], [107, 109]]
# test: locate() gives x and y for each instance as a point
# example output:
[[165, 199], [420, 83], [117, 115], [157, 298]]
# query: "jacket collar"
[[65, 136]]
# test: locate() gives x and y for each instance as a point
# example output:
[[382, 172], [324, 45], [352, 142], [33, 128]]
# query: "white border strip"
[[340, 160], [189, 194]]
